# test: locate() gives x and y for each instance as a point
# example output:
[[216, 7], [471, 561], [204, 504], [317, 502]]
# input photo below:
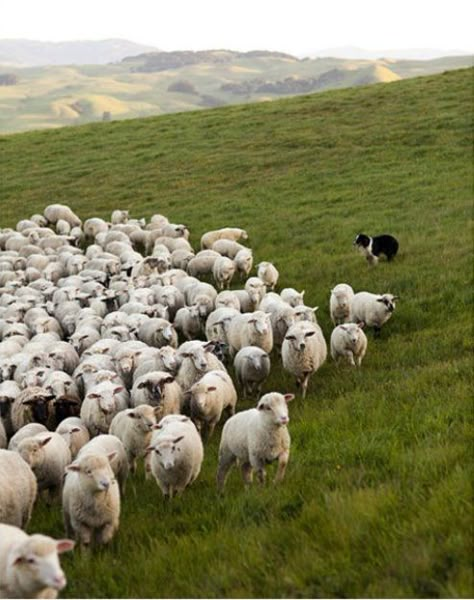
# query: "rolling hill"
[[377, 501], [165, 82]]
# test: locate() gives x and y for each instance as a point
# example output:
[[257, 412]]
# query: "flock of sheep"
[[109, 355]]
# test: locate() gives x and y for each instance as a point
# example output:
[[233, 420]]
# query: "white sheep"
[[119, 216], [252, 367], [133, 427], [196, 360], [203, 263], [175, 455], [29, 564], [349, 342], [256, 437], [101, 403], [157, 333], [293, 297], [227, 299], [18, 490], [54, 212], [305, 313], [227, 248], [158, 389], [252, 294], [94, 226], [110, 446], [188, 322], [210, 396], [228, 233], [74, 433], [48, 455], [340, 303], [303, 351], [223, 271], [372, 309], [28, 430], [243, 262], [91, 499], [250, 329], [268, 273]]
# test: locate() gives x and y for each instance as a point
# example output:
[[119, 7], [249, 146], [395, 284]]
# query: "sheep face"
[[299, 339], [155, 388], [144, 418], [305, 313], [259, 363], [95, 472], [389, 301], [353, 333], [7, 368], [261, 322], [274, 407], [167, 451], [31, 451], [168, 356], [39, 406], [5, 406], [36, 563]]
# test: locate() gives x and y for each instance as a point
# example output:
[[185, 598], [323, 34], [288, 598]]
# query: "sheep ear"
[[118, 389], [132, 415], [396, 298], [75, 429], [64, 546], [361, 324], [211, 388], [111, 456], [289, 397], [149, 448], [380, 299], [169, 379], [157, 426], [94, 396], [141, 385], [74, 467], [315, 308], [178, 439], [302, 293], [344, 327], [46, 440]]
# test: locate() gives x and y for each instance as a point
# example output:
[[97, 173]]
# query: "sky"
[[295, 26]]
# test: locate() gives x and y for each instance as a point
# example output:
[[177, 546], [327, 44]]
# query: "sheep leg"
[[105, 534], [84, 533], [226, 460], [350, 357], [304, 384], [247, 473], [261, 475], [282, 462]]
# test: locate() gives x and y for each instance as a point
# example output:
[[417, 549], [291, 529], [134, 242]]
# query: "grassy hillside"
[[377, 501], [165, 82]]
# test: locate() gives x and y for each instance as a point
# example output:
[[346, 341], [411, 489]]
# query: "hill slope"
[[377, 499]]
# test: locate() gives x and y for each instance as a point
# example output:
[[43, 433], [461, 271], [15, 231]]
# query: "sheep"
[[9, 391], [227, 248], [252, 367], [349, 342], [223, 270], [29, 564], [66, 399], [164, 360], [252, 294], [176, 455], [180, 258], [18, 490], [268, 273], [107, 444], [28, 430], [63, 227], [91, 499], [250, 329], [188, 322], [119, 216], [102, 402], [340, 303], [305, 313], [209, 397], [158, 389], [74, 433], [202, 295], [227, 299], [47, 454], [374, 310], [291, 296], [243, 262], [217, 324], [63, 358], [203, 263], [256, 437], [303, 351], [158, 333], [196, 361], [133, 427], [31, 405], [282, 316], [228, 233], [54, 212], [83, 338], [169, 296]]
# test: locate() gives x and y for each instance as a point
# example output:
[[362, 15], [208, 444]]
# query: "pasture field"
[[377, 500]]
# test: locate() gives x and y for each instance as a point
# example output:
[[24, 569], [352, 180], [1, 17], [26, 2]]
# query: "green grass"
[[377, 501]]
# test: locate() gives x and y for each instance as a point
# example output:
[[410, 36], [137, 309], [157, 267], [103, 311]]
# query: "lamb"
[[175, 455], [373, 310], [243, 262], [349, 342], [291, 296], [54, 212], [29, 564], [133, 427], [91, 499], [340, 303], [223, 270], [303, 351], [109, 445], [210, 396], [256, 437], [228, 233], [250, 329], [158, 389], [48, 455], [188, 322], [18, 490], [252, 367], [74, 433], [268, 273], [102, 402], [196, 361], [158, 333]]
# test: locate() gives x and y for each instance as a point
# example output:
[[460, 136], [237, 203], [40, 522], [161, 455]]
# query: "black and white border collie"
[[372, 247]]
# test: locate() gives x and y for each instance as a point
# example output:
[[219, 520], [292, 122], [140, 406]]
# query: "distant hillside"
[[165, 82], [406, 54], [32, 53]]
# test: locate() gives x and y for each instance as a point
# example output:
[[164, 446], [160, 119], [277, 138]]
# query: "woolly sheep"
[[305, 313], [268, 273], [28, 430], [227, 299], [175, 456], [218, 322], [227, 248], [91, 499], [291, 296], [243, 262], [210, 396], [228, 233], [47, 454], [164, 360], [9, 391], [54, 212], [340, 303], [31, 405], [158, 389], [101, 403], [250, 329], [196, 361], [374, 310], [188, 322], [223, 271], [18, 490], [74, 433], [133, 427], [119, 216], [203, 263], [109, 445], [29, 564], [303, 351], [202, 295], [158, 333], [252, 367], [348, 342], [256, 437]]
